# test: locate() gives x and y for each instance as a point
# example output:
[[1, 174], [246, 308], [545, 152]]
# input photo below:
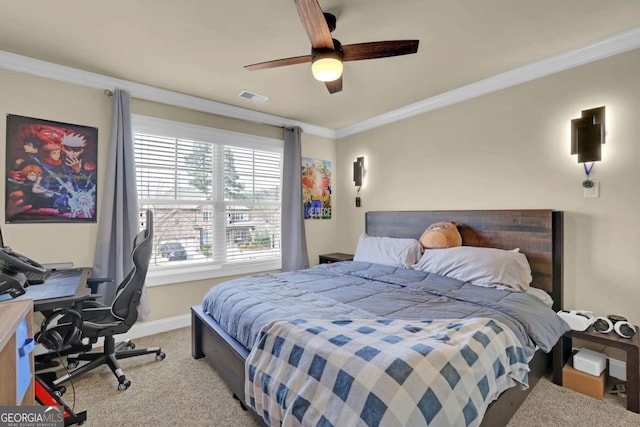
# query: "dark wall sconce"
[[358, 172], [588, 135]]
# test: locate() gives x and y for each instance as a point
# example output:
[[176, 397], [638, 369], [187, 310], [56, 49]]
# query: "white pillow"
[[388, 250], [541, 295], [479, 266]]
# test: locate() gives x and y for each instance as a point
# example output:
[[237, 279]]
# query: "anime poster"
[[316, 188], [51, 171]]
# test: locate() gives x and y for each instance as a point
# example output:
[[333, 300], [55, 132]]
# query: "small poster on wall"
[[51, 171], [316, 188]]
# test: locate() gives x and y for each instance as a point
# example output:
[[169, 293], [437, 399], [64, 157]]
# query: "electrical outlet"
[[357, 202], [593, 191]]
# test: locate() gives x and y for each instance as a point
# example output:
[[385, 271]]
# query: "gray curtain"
[[119, 212], [294, 241]]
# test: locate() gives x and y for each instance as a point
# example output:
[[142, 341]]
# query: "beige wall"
[[504, 150], [42, 98], [25, 95], [321, 233], [510, 149]]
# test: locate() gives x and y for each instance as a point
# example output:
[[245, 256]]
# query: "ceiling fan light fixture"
[[326, 65]]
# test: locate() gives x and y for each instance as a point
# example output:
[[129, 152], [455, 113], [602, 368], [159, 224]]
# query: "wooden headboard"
[[537, 232]]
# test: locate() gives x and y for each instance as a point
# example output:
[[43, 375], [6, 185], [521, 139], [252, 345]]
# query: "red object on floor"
[[46, 397]]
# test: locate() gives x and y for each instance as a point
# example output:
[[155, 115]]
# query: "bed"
[[537, 234]]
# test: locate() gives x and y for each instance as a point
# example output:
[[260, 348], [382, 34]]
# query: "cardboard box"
[[584, 383]]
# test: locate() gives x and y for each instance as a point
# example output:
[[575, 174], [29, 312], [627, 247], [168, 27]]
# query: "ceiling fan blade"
[[372, 50], [314, 23], [334, 86], [279, 63]]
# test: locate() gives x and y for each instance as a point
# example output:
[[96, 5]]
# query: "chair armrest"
[[93, 283]]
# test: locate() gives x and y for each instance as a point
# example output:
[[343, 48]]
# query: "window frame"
[[180, 130]]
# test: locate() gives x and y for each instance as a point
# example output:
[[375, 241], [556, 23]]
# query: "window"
[[216, 199]]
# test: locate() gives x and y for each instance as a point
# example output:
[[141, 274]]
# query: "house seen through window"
[[215, 194]]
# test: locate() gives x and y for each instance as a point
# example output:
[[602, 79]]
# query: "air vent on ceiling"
[[253, 97]]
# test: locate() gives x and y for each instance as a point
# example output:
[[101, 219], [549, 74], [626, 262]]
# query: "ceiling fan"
[[327, 53]]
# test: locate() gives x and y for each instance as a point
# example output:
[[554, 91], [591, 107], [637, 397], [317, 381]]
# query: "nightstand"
[[562, 351], [335, 257]]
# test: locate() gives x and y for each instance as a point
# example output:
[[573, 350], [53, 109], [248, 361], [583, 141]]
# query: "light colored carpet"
[[187, 392], [177, 391], [552, 405]]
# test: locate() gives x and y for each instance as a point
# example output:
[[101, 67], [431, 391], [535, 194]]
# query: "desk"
[[16, 378], [62, 289]]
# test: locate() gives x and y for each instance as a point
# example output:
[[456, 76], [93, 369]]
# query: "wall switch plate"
[[593, 192]]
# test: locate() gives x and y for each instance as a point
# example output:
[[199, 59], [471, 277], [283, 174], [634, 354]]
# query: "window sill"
[[174, 276]]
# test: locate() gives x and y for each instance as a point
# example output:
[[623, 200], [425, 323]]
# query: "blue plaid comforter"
[[381, 372]]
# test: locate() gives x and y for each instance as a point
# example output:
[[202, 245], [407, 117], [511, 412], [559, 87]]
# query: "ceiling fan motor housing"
[[331, 21], [337, 48]]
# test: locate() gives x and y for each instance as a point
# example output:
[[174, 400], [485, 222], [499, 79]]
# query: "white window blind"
[[215, 195]]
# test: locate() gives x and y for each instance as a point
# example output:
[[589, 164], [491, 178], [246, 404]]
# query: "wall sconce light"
[[358, 173], [587, 137]]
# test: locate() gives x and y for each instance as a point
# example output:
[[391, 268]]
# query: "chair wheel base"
[[124, 384], [60, 390]]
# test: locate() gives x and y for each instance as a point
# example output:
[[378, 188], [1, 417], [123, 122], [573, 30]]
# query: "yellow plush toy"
[[441, 235]]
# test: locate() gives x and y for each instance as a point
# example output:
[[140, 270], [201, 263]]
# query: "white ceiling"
[[199, 47]]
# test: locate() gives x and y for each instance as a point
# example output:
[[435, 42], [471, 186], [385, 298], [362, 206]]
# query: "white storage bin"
[[589, 361]]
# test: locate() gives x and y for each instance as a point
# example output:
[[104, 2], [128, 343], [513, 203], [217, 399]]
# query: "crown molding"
[[611, 46], [614, 45], [37, 67]]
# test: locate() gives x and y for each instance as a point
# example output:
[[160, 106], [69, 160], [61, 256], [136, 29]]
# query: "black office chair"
[[101, 320]]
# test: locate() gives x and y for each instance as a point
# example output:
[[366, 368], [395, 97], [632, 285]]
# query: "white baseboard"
[[143, 329], [617, 369]]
